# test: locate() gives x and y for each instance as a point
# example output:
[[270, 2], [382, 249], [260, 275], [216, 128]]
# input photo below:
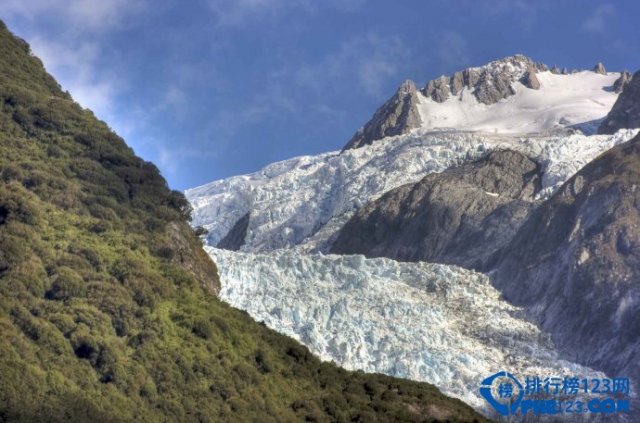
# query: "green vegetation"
[[107, 301]]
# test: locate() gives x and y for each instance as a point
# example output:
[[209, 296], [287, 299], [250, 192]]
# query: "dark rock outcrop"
[[457, 83], [625, 113], [460, 216], [398, 115], [438, 89], [621, 83], [234, 239], [493, 88], [599, 68], [575, 264], [471, 76], [530, 80]]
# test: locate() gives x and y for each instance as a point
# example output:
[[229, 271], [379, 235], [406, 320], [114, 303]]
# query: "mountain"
[[626, 110], [108, 307], [302, 203], [575, 263], [460, 216], [399, 115], [508, 96]]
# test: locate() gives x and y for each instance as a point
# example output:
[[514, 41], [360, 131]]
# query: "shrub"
[[66, 284]]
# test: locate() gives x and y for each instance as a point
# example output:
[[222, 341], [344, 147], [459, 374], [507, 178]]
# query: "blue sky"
[[212, 88]]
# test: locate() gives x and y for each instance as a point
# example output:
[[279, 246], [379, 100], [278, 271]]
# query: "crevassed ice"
[[303, 202], [428, 322]]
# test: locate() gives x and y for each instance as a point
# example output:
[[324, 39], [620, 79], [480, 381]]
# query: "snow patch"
[[562, 101]]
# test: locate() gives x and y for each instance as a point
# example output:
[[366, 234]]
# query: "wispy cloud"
[[71, 45], [365, 64], [369, 60], [75, 69], [453, 51], [238, 12], [234, 13], [597, 21], [76, 14]]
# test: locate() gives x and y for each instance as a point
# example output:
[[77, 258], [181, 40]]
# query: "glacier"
[[428, 322], [302, 202]]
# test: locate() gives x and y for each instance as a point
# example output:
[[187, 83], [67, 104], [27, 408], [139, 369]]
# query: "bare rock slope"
[[460, 216], [397, 116], [626, 110], [575, 263]]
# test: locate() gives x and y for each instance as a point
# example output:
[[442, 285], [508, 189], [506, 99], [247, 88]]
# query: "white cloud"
[[597, 21], [74, 68], [69, 37]]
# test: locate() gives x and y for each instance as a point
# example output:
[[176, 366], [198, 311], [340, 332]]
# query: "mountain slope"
[[303, 202], [514, 95], [396, 116], [626, 110], [575, 263], [107, 300], [460, 216]]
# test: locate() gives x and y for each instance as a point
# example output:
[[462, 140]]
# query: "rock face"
[[575, 263], [492, 88], [398, 115], [235, 238], [490, 83], [460, 216], [530, 80], [626, 110], [622, 82], [438, 89], [599, 68], [457, 83]]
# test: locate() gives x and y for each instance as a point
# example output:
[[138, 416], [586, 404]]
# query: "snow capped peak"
[[490, 83], [514, 94]]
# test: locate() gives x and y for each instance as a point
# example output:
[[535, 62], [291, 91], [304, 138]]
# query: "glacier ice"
[[303, 202], [429, 322]]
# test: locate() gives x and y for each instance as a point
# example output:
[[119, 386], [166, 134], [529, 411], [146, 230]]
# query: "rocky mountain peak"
[[625, 113], [397, 116], [490, 83], [599, 68], [530, 80], [622, 82]]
